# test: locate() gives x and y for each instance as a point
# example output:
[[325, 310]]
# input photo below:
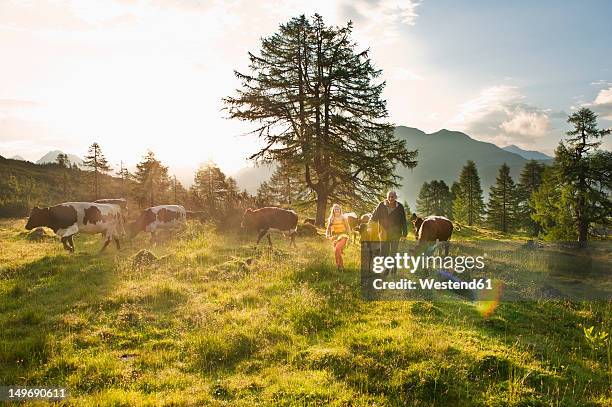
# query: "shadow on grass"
[[43, 291]]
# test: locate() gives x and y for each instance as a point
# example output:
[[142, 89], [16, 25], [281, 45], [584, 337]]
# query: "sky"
[[136, 75]]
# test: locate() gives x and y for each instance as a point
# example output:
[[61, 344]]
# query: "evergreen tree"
[[454, 194], [574, 159], [503, 213], [124, 175], [265, 195], [529, 182], [423, 203], [468, 206], [96, 160], [552, 205], [152, 180], [317, 103], [434, 199], [64, 162], [210, 190]]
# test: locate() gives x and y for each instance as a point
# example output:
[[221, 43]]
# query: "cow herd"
[[109, 217]]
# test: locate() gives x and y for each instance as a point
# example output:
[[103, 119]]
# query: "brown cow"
[[432, 229], [267, 219]]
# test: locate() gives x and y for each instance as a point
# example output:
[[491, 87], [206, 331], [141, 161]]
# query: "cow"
[[158, 217], [69, 218], [432, 229], [122, 202], [264, 220]]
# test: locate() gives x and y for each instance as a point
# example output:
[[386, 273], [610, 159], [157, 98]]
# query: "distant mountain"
[[441, 156], [527, 154], [51, 157], [250, 178], [17, 157]]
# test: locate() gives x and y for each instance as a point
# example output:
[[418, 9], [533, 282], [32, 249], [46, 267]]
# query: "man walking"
[[391, 217]]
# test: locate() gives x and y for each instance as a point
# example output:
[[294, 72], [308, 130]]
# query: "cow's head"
[[248, 219], [145, 218], [38, 217], [416, 222]]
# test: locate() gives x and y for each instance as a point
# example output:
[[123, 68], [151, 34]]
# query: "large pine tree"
[[317, 103], [469, 206], [575, 165], [96, 160], [502, 213], [578, 184]]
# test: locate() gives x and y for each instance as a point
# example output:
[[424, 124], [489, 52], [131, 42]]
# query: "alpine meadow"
[[222, 204]]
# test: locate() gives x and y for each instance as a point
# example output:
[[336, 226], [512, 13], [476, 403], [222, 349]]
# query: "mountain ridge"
[[450, 147]]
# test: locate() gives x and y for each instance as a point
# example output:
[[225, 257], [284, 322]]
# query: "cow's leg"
[[71, 243], [262, 233], [65, 243], [269, 240], [153, 237], [292, 243], [107, 240], [117, 242]]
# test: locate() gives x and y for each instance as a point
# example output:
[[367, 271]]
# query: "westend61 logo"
[[412, 263]]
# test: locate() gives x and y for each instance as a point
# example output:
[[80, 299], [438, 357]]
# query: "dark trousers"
[[389, 248]]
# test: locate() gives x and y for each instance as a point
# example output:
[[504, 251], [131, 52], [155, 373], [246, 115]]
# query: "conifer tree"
[[153, 180], [578, 183], [423, 203], [317, 102], [469, 206], [502, 213], [575, 166], [96, 160], [529, 182]]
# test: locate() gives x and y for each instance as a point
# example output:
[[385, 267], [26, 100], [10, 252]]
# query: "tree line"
[[568, 200], [27, 185]]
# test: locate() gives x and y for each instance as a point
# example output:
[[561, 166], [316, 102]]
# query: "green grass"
[[215, 322]]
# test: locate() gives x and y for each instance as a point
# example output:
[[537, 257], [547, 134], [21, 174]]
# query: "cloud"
[[602, 105], [501, 115], [530, 124]]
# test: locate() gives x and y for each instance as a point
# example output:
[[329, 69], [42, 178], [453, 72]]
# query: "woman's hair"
[[331, 213]]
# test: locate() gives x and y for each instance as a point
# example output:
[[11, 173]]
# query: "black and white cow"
[[122, 202], [69, 218], [158, 217]]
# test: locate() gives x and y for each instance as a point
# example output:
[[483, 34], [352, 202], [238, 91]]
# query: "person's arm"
[[376, 214], [349, 231]]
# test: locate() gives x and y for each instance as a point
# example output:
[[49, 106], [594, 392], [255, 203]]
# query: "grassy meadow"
[[213, 321]]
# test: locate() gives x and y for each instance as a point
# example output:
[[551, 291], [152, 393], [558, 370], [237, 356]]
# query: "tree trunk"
[[321, 209]]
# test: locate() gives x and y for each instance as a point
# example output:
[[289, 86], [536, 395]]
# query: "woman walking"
[[339, 230]]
